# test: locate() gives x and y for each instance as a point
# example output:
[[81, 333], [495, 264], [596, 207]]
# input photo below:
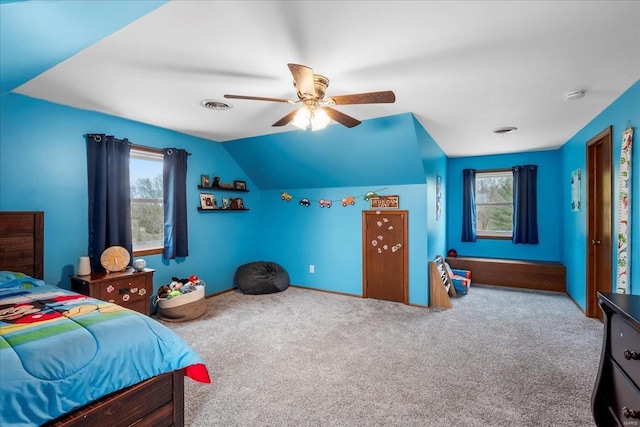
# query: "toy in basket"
[[181, 300]]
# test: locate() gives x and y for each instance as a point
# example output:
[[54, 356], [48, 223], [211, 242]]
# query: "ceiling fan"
[[317, 111]]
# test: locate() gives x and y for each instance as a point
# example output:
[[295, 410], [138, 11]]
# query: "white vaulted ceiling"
[[462, 68]]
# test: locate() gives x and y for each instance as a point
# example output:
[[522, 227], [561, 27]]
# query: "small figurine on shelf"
[[216, 181]]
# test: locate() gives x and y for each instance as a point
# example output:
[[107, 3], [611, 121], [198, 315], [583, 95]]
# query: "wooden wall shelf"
[[221, 210], [237, 190]]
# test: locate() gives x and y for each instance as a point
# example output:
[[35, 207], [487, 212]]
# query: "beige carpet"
[[500, 357]]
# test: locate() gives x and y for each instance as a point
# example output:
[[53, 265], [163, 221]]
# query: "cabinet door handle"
[[123, 291], [595, 242], [630, 354], [630, 413]]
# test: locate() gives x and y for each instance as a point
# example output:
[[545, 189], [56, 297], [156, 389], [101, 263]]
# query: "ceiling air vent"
[[212, 104], [504, 130]]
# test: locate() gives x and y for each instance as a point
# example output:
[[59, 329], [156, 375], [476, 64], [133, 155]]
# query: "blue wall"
[[331, 238], [393, 154], [434, 163], [574, 224], [43, 167], [381, 151], [549, 207]]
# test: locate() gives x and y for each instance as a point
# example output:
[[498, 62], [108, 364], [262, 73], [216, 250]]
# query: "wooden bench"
[[541, 275]]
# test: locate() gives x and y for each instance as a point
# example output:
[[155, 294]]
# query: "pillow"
[[13, 280]]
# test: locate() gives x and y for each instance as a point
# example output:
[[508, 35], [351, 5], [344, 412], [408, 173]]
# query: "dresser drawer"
[[624, 395], [625, 338], [124, 291]]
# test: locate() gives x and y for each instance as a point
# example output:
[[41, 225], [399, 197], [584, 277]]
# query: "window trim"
[[493, 235], [153, 153]]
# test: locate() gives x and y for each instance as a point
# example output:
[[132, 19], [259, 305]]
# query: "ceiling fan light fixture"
[[302, 118], [319, 119]]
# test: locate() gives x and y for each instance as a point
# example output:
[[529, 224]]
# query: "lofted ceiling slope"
[[383, 151]]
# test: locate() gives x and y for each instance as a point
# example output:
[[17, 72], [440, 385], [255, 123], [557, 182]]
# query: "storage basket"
[[185, 307]]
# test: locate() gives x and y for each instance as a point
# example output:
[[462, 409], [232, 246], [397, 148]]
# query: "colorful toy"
[[325, 203], [305, 202], [369, 195], [286, 197], [163, 291], [348, 201]]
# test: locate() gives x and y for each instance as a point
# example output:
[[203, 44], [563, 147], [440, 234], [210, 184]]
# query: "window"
[[147, 209], [494, 204]]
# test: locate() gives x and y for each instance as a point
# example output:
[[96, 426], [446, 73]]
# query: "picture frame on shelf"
[[240, 185], [204, 181], [208, 201], [237, 203]]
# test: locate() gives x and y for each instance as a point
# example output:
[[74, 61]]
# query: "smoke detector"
[[504, 130], [213, 104], [576, 94]]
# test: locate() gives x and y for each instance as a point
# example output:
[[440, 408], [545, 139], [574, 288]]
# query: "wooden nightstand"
[[129, 288]]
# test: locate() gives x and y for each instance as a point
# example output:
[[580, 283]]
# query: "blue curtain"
[[469, 205], [109, 195], [176, 242], [525, 211]]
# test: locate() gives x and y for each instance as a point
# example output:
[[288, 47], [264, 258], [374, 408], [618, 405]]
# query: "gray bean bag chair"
[[261, 277]]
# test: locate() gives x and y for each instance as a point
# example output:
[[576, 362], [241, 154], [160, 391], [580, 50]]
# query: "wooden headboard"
[[22, 243]]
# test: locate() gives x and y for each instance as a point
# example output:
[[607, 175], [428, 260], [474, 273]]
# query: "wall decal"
[[438, 197], [623, 272], [575, 190]]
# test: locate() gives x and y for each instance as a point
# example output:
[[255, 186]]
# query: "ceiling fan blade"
[[341, 118], [259, 98], [385, 97], [303, 76], [286, 119]]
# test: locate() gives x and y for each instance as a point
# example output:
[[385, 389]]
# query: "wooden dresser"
[[129, 288], [616, 394]]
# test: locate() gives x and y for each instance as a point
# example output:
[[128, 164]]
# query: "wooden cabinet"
[[129, 288], [527, 274], [616, 395]]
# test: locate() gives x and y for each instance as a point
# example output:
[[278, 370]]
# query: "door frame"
[[405, 251], [592, 263]]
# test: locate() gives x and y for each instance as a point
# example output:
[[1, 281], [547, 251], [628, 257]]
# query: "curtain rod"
[[96, 137]]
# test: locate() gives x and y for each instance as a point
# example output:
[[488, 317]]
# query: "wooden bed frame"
[[156, 402]]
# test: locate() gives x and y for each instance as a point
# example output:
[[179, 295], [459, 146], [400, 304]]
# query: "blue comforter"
[[60, 350]]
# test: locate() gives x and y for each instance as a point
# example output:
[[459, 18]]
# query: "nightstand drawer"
[[625, 340], [129, 288], [625, 397], [124, 291]]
